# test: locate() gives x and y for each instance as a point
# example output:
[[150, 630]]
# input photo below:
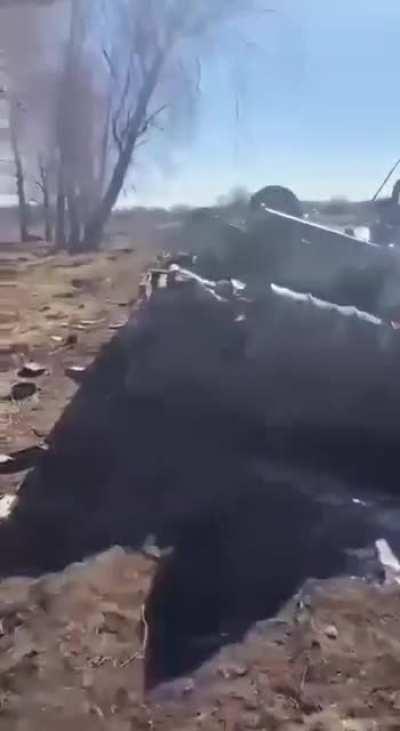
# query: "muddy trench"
[[242, 530], [240, 563]]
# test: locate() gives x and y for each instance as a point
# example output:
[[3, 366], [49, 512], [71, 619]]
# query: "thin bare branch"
[[199, 70], [119, 111], [150, 121], [116, 135], [109, 63]]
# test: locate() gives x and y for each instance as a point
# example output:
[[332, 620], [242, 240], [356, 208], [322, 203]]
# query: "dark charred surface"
[[176, 407], [239, 563], [180, 430]]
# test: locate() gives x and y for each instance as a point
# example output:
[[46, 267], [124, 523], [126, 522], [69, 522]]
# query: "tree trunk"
[[74, 238], [44, 187], [22, 206], [104, 149], [48, 228], [23, 211], [95, 226], [60, 236], [66, 203]]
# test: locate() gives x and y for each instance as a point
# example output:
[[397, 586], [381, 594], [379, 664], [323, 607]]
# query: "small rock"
[[331, 632], [188, 686], [232, 671]]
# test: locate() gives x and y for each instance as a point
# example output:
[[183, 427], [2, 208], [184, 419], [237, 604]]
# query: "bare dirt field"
[[74, 646], [74, 650], [57, 311]]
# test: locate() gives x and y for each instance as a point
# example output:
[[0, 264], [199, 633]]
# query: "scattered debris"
[[71, 340], [7, 503], [21, 461], [76, 373], [150, 547], [32, 370], [331, 632], [188, 686], [23, 390], [153, 551], [5, 462], [232, 671], [117, 325], [68, 342], [81, 283], [389, 561], [181, 259], [40, 433], [91, 323]]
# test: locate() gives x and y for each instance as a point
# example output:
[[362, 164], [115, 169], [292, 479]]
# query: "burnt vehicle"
[[386, 228], [276, 244]]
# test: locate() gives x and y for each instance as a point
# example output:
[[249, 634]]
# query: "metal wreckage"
[[298, 330]]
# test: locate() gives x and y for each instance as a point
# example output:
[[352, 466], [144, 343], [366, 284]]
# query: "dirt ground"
[[73, 653], [73, 646], [57, 311]]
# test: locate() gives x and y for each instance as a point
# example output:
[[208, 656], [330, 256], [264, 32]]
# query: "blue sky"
[[318, 107]]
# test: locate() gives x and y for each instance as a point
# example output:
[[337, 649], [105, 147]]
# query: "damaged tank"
[[276, 244], [386, 228]]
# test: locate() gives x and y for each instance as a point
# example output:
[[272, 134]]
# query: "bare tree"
[[23, 209], [66, 193], [24, 66], [43, 184], [157, 30], [92, 108], [81, 141], [61, 204], [106, 134]]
